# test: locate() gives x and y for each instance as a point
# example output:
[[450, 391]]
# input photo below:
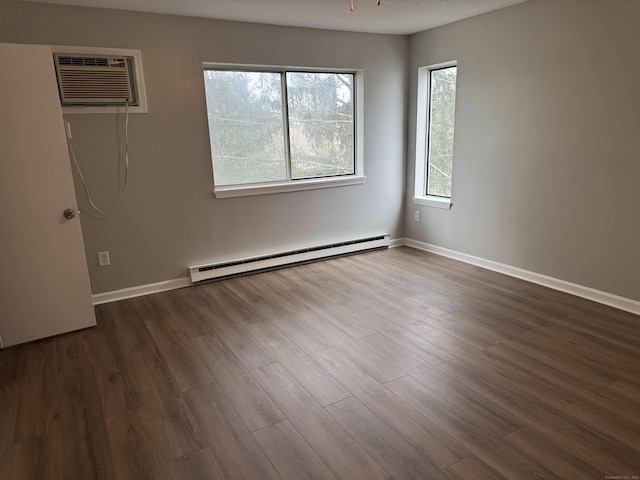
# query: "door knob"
[[69, 213]]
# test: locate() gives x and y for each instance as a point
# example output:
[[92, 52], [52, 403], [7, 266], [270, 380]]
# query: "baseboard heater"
[[214, 271]]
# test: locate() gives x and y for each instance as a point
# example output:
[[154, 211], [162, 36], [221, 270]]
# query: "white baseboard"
[[589, 293], [141, 290], [598, 296], [397, 242]]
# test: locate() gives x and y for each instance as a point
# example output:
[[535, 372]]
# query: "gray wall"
[[168, 218], [547, 145], [547, 153]]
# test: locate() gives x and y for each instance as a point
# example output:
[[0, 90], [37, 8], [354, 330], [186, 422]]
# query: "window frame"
[[422, 138], [290, 184]]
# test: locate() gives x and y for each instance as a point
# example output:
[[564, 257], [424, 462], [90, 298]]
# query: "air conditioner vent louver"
[[84, 61], [96, 80]]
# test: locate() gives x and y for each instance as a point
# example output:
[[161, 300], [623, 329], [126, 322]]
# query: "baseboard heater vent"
[[276, 260]]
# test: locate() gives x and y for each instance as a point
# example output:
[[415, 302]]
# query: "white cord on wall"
[[123, 184]]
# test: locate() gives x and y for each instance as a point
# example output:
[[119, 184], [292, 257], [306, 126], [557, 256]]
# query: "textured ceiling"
[[391, 16]]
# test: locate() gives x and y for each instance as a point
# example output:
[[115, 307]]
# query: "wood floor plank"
[[577, 438], [599, 421], [186, 368], [339, 315], [600, 347], [405, 350], [108, 373], [393, 353], [154, 405], [255, 297], [365, 316], [291, 455], [551, 460], [344, 279], [339, 451], [135, 458], [600, 362], [453, 346], [596, 323], [38, 457], [472, 468], [277, 291], [85, 441], [539, 387], [366, 357], [233, 446], [8, 412], [170, 426], [253, 405], [468, 430], [312, 298], [394, 363], [190, 310], [200, 465], [298, 333], [322, 386], [231, 305], [628, 391], [394, 453], [467, 328], [310, 287], [71, 350], [388, 309], [573, 386], [486, 415], [128, 325], [555, 361], [30, 418], [413, 304], [139, 387], [426, 437], [366, 271], [243, 346]]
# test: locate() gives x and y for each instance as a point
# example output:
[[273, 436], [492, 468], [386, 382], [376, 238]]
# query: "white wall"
[[547, 149], [168, 218]]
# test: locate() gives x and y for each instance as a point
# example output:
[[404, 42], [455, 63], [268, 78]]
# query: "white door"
[[44, 283]]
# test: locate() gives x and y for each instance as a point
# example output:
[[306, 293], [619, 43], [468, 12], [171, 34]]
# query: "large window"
[[279, 127], [434, 149]]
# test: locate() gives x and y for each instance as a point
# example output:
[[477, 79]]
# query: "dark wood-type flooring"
[[391, 364]]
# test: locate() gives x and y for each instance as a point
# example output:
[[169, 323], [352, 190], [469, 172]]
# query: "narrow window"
[[441, 118]]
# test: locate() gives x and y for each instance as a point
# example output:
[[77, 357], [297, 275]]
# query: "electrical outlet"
[[103, 259], [416, 215]]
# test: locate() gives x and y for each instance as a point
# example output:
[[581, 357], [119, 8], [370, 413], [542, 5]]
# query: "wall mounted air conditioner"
[[99, 80]]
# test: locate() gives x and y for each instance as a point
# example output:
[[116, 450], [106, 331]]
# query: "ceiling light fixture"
[[353, 6]]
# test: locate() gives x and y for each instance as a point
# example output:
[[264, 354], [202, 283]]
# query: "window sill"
[[431, 201], [291, 186]]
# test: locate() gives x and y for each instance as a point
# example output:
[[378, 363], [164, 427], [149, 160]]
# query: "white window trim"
[[433, 201], [229, 191], [358, 178], [422, 140]]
